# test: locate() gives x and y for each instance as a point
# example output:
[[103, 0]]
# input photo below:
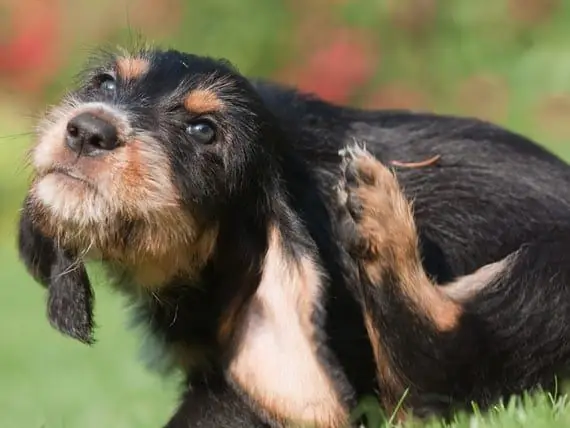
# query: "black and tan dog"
[[278, 262]]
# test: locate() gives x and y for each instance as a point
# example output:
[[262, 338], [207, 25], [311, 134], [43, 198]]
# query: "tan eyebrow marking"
[[203, 101], [132, 68]]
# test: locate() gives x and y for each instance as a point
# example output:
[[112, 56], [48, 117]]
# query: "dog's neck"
[[188, 312]]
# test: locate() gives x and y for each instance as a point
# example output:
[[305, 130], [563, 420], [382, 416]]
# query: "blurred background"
[[507, 61]]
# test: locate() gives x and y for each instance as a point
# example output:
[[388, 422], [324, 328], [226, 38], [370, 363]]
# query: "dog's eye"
[[107, 83], [201, 131]]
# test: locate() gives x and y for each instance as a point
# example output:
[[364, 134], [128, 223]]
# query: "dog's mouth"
[[69, 174]]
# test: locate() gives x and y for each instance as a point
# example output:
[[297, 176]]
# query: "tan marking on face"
[[130, 68], [144, 179], [163, 245], [390, 243], [130, 190], [201, 101], [276, 361]]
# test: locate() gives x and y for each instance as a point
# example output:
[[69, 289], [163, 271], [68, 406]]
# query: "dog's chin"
[[70, 199], [71, 211]]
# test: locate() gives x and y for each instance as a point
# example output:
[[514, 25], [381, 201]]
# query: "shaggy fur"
[[279, 264]]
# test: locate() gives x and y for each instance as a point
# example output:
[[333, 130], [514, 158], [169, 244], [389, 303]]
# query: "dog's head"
[[134, 167]]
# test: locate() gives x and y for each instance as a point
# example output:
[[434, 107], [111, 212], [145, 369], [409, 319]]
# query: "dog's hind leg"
[[498, 331]]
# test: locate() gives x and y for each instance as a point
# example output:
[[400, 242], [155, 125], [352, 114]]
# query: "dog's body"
[[488, 194], [242, 261]]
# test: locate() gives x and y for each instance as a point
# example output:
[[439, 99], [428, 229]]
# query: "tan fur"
[[390, 242], [276, 362], [132, 183], [388, 246], [201, 101], [466, 287], [230, 318], [130, 68], [393, 387]]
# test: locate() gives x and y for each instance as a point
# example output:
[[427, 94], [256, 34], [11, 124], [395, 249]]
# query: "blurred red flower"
[[337, 68], [30, 57]]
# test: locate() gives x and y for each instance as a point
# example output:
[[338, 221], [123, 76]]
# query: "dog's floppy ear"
[[70, 296]]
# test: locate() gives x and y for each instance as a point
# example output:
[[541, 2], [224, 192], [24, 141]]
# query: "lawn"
[[50, 381]]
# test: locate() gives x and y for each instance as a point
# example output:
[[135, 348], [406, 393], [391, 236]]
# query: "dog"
[[291, 256]]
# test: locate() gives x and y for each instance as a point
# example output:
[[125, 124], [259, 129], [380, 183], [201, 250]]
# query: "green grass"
[[536, 410], [47, 380]]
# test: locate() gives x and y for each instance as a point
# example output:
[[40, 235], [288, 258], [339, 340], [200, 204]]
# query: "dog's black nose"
[[90, 135]]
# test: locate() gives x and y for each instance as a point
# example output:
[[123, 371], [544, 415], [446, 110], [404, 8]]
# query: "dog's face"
[[135, 165]]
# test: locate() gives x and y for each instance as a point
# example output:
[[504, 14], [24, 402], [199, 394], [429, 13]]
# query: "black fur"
[[70, 297], [491, 193]]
